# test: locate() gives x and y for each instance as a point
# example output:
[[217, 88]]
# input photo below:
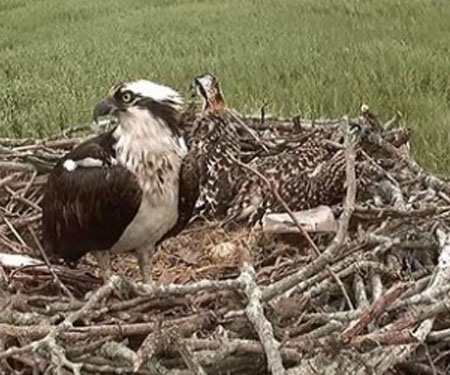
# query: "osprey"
[[119, 191], [213, 137], [283, 169], [310, 176]]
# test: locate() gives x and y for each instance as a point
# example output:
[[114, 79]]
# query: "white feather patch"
[[89, 163], [70, 165]]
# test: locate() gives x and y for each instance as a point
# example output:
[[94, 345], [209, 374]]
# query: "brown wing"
[[88, 208]]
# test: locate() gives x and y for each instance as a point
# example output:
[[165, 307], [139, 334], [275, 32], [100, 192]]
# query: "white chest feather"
[[154, 155]]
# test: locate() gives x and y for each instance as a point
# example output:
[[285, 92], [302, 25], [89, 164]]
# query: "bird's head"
[[207, 87], [141, 104]]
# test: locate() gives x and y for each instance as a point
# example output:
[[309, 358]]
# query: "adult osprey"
[[119, 191]]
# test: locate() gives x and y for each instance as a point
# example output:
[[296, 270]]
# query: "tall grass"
[[319, 58]]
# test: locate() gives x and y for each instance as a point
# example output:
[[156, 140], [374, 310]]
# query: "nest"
[[369, 294]]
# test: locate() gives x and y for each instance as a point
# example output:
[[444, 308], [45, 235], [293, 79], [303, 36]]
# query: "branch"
[[187, 325], [188, 357], [441, 276], [50, 339], [255, 314], [56, 279], [159, 291], [373, 311]]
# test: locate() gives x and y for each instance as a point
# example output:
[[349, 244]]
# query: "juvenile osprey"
[[214, 136], [303, 180], [119, 191], [287, 168]]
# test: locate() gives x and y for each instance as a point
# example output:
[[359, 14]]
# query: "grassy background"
[[316, 57]]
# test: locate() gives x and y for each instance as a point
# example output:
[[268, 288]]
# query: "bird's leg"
[[104, 263], [144, 256]]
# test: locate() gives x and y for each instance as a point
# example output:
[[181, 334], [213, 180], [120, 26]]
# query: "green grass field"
[[320, 58]]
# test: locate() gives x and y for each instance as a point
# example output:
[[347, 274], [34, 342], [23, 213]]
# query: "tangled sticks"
[[371, 298]]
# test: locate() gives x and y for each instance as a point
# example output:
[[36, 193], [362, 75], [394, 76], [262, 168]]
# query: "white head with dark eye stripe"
[[132, 93], [141, 98], [148, 115]]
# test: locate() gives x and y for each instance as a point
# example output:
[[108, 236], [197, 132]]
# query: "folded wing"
[[89, 200]]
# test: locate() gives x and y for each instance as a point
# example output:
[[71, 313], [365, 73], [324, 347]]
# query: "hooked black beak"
[[104, 108]]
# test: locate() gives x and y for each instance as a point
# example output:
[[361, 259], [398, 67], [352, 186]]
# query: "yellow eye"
[[127, 97]]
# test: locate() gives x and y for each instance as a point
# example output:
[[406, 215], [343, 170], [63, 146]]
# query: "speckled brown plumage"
[[213, 138], [282, 169], [313, 175], [324, 186]]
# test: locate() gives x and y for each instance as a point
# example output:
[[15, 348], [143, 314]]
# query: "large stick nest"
[[371, 298]]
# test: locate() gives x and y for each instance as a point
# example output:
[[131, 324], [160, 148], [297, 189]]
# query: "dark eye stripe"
[[116, 89]]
